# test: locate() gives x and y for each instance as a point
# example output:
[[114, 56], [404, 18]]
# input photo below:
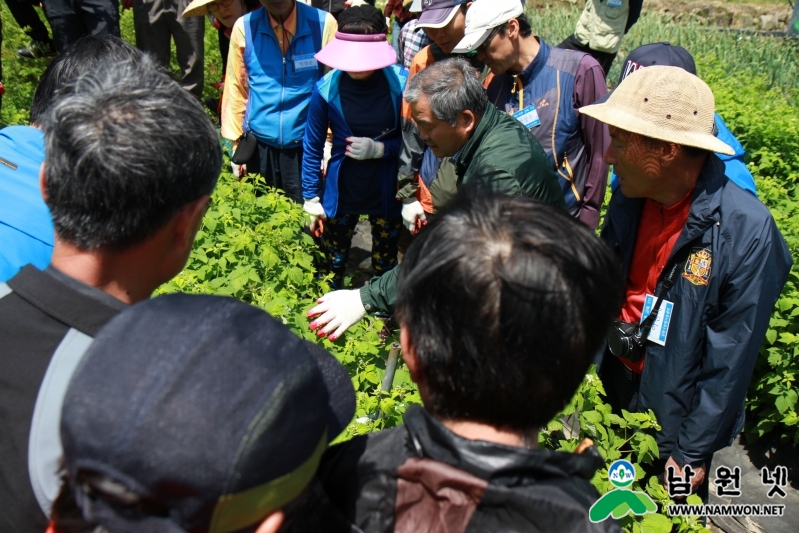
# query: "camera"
[[626, 340]]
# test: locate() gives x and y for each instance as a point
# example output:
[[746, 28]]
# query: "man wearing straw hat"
[[699, 253]]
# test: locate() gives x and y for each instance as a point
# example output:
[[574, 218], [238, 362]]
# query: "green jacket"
[[502, 155]]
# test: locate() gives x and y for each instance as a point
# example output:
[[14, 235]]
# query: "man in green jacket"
[[491, 150]]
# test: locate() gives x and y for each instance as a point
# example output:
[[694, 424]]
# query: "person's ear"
[[188, 221], [669, 152], [467, 121], [409, 354], [43, 182], [513, 30], [271, 523]]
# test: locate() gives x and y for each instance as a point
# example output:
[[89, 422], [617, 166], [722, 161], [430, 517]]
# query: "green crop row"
[[774, 58]]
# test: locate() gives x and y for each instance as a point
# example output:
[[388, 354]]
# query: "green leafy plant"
[[251, 246], [628, 437]]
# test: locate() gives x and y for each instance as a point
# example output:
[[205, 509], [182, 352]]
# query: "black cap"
[[664, 54], [198, 413]]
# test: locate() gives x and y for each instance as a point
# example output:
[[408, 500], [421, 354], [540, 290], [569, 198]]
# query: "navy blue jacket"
[[697, 383]]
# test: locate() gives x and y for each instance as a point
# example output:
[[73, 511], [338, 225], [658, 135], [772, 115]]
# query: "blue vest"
[[549, 86], [281, 86]]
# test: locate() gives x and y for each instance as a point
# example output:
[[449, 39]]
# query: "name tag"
[[305, 62], [614, 3], [528, 117], [660, 328]]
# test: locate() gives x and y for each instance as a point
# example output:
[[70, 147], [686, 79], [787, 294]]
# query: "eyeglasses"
[[484, 45], [219, 4]]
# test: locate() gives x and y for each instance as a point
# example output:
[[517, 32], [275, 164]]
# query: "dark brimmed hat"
[[438, 13], [198, 413], [664, 54]]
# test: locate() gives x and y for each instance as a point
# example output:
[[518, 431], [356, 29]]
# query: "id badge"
[[528, 117], [614, 3], [305, 62], [660, 329]]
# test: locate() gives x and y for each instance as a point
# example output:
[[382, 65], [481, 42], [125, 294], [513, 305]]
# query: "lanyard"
[[518, 88], [664, 288]]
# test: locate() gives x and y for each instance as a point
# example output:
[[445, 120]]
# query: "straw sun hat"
[[197, 8], [665, 103]]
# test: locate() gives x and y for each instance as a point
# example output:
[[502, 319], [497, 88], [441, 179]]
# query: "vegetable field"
[[252, 247]]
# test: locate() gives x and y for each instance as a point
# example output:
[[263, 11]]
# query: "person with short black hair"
[[543, 87], [125, 214], [502, 303]]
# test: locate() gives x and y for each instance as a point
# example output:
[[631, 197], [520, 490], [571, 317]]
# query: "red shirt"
[[658, 231]]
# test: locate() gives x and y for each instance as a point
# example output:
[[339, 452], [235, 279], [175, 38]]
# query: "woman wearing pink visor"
[[360, 102]]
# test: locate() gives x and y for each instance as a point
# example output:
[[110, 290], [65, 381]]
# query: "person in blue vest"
[[271, 75], [26, 230], [670, 55], [360, 101], [542, 87]]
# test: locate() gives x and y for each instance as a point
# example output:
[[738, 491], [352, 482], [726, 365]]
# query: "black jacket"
[[41, 314], [383, 482]]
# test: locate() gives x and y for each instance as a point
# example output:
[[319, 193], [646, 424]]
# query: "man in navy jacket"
[[675, 209]]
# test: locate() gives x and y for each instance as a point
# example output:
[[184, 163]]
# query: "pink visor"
[[357, 53]]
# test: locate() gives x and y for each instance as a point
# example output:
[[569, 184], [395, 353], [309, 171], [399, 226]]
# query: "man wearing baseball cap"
[[668, 54], [700, 254], [215, 430], [543, 87], [425, 181]]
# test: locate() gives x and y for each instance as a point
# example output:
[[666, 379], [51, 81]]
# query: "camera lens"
[[618, 344]]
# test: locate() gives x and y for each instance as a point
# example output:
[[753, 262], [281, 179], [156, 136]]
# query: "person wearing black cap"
[[668, 54], [125, 215], [217, 430], [503, 302]]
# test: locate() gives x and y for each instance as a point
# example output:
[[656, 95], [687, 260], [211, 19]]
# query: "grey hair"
[[451, 86], [126, 149]]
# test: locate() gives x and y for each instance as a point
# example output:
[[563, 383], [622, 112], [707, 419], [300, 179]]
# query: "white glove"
[[339, 310], [326, 155], [410, 212], [239, 170], [364, 148], [314, 208]]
